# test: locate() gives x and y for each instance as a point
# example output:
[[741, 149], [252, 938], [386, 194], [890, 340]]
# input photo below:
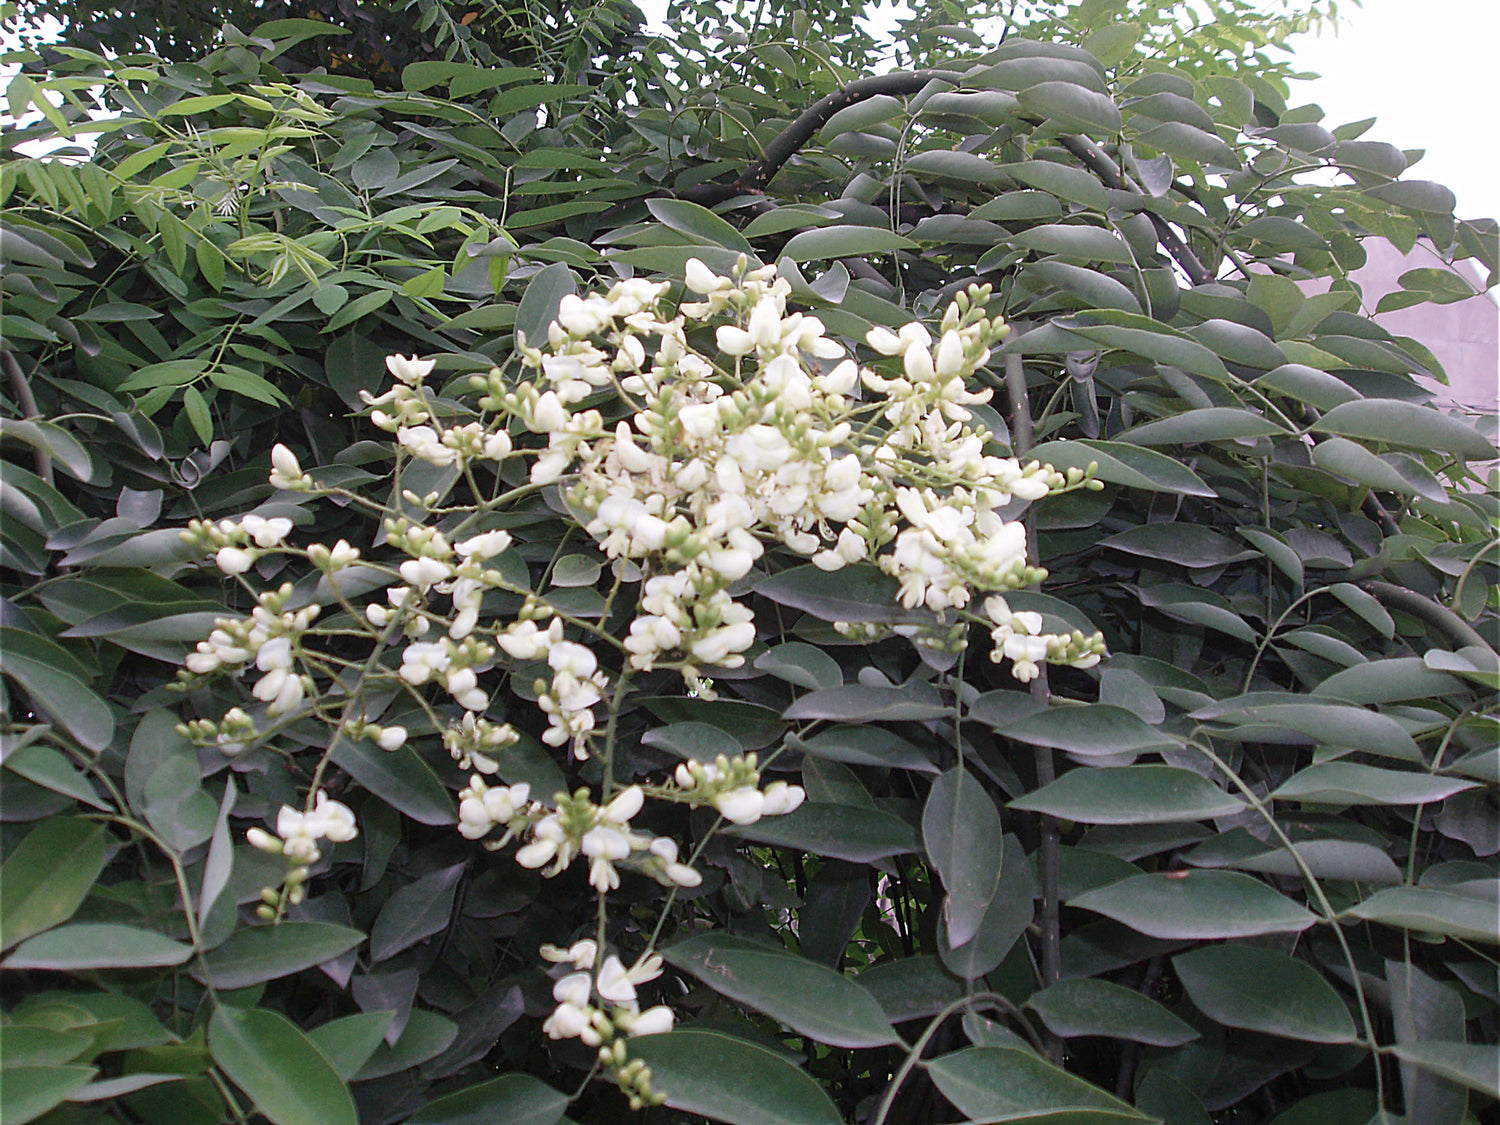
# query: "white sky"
[[1425, 69]]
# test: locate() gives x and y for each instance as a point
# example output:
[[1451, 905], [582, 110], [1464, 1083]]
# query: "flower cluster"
[[780, 438], [616, 1014], [297, 836]]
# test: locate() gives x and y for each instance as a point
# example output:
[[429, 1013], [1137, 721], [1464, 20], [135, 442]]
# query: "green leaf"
[[1430, 911], [1131, 795], [279, 1067], [1061, 180], [260, 953], [97, 946], [732, 1080], [1090, 729], [1388, 681], [835, 831], [1208, 423], [700, 741], [962, 836], [514, 1099], [47, 876], [52, 770], [1087, 1006], [1073, 108], [1275, 548], [416, 911], [858, 593], [859, 703], [1349, 783], [802, 664], [349, 1042], [23, 1044], [690, 218], [1188, 142], [1238, 343], [544, 293], [1006, 916], [1332, 723], [1416, 195], [861, 115], [1075, 240], [1007, 1084], [1258, 989], [844, 241], [803, 995], [1197, 905], [27, 1092], [53, 440], [1474, 1065], [864, 745], [399, 778], [1406, 424], [1186, 544], [965, 168], [425, 1036], [1095, 289], [1133, 466]]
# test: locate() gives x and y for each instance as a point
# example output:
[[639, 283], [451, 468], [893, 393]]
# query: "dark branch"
[[1097, 162], [1453, 627]]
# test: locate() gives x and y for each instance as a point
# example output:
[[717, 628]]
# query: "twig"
[[1440, 617]]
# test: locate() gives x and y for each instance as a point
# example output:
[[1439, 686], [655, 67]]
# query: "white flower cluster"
[[617, 1014], [270, 637], [297, 836], [1019, 638]]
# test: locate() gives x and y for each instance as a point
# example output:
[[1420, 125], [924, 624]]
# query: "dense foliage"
[[682, 684]]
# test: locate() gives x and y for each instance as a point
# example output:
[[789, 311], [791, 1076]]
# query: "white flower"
[[234, 560], [614, 983], [335, 819], [424, 572], [286, 473], [781, 798], [266, 532], [653, 1021], [701, 279], [410, 371], [391, 738], [744, 805]]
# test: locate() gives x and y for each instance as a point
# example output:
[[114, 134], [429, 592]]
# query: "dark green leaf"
[[1080, 241], [858, 703], [418, 910], [1406, 424], [732, 1080], [1096, 1007], [1131, 795], [962, 836], [27, 1091], [1197, 905], [1242, 985], [283, 1072], [44, 670], [1349, 783], [844, 242], [1007, 1084], [835, 831], [1430, 911], [1090, 729], [803, 995], [1073, 108], [1208, 423], [349, 1042], [399, 777], [261, 953], [802, 664], [544, 292], [515, 1099]]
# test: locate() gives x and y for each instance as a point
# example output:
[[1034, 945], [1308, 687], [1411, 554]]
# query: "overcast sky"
[[1426, 71]]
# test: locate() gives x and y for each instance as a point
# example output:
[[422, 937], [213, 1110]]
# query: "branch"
[[1453, 627], [27, 402], [1096, 161], [789, 141]]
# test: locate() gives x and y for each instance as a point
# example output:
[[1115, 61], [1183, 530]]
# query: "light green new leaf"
[[805, 996], [1258, 989], [732, 1080], [279, 1067]]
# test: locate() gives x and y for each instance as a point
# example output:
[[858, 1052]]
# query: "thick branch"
[[1453, 627], [1095, 160]]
